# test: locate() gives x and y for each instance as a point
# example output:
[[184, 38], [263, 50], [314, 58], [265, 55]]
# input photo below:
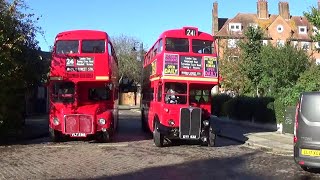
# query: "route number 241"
[[191, 32]]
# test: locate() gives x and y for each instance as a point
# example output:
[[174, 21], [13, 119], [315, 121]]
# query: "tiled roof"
[[246, 18]]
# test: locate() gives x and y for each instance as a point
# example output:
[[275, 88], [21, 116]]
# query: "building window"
[[315, 30], [295, 43], [235, 26], [233, 58], [317, 61], [302, 29], [305, 45], [254, 25], [280, 28], [265, 42], [317, 45], [280, 43], [232, 43]]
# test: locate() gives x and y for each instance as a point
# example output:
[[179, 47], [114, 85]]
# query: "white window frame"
[[295, 43], [280, 28], [232, 43], [235, 27], [254, 25], [280, 43], [317, 61], [303, 43], [315, 30], [265, 42], [304, 28], [233, 58], [317, 45]]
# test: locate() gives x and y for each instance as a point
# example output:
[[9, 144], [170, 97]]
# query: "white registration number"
[[78, 134], [189, 137]]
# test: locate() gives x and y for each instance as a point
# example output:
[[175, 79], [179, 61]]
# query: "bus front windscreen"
[[63, 92]]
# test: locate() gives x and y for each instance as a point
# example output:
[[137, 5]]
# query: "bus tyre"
[[104, 137], [54, 135], [157, 136], [212, 138], [143, 123]]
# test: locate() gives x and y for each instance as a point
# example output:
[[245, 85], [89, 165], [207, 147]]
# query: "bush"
[[217, 103], [248, 108]]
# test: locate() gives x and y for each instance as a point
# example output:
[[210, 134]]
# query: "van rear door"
[[308, 131]]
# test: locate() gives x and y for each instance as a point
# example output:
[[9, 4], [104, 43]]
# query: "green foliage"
[[21, 67], [281, 67], [251, 48], [314, 18], [129, 66]]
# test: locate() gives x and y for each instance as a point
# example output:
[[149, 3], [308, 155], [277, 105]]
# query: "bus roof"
[[181, 33], [82, 34]]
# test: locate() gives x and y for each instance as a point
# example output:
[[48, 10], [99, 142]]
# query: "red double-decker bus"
[[179, 73], [83, 85]]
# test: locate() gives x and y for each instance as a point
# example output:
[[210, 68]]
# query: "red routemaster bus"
[[83, 85], [179, 73]]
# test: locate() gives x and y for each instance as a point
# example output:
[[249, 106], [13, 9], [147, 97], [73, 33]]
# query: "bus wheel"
[[104, 137], [143, 123], [54, 135], [212, 138], [157, 136]]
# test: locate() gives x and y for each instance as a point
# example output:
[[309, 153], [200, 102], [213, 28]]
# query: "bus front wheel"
[[54, 135], [158, 138]]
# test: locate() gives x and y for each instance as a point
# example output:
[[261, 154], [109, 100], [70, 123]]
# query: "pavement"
[[35, 127], [252, 135]]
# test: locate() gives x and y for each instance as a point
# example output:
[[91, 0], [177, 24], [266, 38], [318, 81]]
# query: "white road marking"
[[114, 145], [58, 146]]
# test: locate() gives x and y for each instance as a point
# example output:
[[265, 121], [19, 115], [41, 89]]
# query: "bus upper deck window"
[[177, 44], [93, 46], [202, 47], [67, 47]]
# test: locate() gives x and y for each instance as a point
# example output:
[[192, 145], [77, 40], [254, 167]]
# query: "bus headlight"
[[102, 121], [206, 123], [56, 121]]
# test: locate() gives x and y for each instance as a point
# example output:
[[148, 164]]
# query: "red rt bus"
[[179, 73], [83, 85]]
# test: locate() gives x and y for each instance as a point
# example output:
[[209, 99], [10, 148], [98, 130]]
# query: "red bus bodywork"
[[184, 58], [83, 85]]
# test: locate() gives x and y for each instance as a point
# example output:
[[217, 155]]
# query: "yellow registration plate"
[[309, 152]]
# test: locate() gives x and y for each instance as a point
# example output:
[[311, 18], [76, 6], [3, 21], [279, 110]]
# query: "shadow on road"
[[216, 168]]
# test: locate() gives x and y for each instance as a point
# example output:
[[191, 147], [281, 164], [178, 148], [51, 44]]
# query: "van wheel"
[[212, 138], [158, 138], [55, 136]]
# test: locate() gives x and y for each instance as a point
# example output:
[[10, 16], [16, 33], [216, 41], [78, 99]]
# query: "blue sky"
[[141, 19]]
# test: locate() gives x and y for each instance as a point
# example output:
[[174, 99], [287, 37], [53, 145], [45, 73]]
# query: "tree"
[[281, 67], [21, 66], [129, 66], [250, 53], [230, 69], [314, 18]]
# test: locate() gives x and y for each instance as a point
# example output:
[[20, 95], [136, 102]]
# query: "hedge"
[[257, 109]]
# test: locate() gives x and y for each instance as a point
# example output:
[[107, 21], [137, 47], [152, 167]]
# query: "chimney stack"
[[262, 9], [318, 5], [215, 22], [284, 10]]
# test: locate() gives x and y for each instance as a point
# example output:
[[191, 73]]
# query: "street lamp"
[[140, 56]]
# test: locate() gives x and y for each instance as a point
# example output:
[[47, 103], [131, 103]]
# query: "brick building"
[[278, 29]]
